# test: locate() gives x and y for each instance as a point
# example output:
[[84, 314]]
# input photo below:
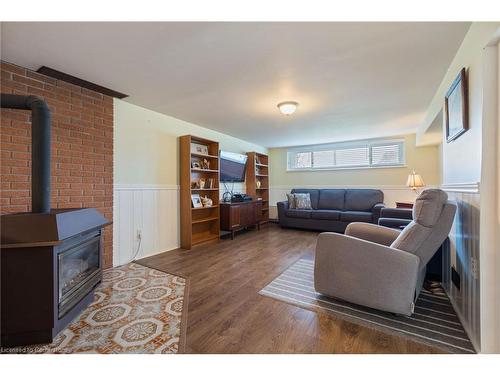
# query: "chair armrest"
[[282, 207], [365, 273], [397, 213], [373, 233], [390, 222], [376, 211]]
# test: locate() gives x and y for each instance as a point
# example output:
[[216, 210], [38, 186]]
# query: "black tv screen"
[[232, 167]]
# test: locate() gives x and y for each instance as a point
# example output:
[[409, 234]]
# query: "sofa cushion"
[[325, 214], [331, 199], [362, 199], [303, 201], [299, 214], [351, 216], [313, 193]]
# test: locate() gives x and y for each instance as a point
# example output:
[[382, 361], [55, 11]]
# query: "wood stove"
[[51, 260]]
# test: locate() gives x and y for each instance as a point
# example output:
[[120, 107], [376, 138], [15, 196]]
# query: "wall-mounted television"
[[232, 167]]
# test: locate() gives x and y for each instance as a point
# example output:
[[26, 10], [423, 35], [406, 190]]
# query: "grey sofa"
[[380, 267], [333, 209]]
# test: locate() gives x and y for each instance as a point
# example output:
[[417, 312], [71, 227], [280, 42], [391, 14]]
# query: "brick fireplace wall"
[[82, 147]]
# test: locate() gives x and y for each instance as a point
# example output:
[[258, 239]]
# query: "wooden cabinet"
[[240, 215], [257, 182], [199, 177]]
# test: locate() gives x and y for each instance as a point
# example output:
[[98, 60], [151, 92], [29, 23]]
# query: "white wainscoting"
[[152, 209], [462, 248], [392, 194]]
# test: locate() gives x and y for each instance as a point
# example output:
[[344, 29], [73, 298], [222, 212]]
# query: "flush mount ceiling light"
[[287, 108]]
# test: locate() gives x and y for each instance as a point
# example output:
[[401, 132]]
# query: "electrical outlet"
[[138, 234], [474, 267]]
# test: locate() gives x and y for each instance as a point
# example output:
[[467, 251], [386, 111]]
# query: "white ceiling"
[[352, 80]]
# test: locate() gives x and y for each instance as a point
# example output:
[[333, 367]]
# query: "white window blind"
[[303, 160], [366, 154], [352, 157]]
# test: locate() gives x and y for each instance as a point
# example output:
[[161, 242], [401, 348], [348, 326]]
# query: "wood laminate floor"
[[227, 315]]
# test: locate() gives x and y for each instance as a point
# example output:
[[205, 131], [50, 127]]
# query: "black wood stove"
[[51, 260]]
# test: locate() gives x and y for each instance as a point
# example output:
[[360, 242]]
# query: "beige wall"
[[424, 160], [146, 145], [468, 170], [146, 191]]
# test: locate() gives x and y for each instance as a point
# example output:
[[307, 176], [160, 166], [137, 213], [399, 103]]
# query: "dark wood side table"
[[237, 216], [404, 204]]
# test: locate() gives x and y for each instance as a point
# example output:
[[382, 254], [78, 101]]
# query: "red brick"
[[82, 146], [6, 67]]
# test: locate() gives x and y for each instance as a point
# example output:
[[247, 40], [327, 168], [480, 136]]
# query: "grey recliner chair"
[[379, 267]]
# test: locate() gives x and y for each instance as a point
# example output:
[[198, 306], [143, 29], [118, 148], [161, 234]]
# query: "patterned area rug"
[[136, 310], [434, 321]]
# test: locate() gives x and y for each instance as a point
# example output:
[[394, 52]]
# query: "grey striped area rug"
[[434, 321]]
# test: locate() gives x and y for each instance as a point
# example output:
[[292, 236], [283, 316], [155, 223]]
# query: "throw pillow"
[[303, 201], [291, 201]]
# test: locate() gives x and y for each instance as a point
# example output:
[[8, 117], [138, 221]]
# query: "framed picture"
[[196, 200], [196, 148], [456, 108]]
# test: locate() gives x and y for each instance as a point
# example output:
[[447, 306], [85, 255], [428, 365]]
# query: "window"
[[366, 154]]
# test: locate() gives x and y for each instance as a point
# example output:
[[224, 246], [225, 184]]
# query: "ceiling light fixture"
[[287, 108]]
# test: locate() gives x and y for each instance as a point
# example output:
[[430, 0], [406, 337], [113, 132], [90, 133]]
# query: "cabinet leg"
[[232, 235]]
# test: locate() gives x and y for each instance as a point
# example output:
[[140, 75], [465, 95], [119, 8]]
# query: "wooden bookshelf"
[[257, 173], [202, 224]]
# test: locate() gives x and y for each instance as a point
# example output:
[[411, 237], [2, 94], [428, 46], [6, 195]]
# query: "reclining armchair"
[[380, 267]]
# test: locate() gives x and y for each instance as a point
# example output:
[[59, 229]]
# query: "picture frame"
[[197, 148], [196, 201], [456, 108]]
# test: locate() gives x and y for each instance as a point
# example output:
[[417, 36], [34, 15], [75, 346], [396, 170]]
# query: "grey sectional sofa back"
[[332, 199], [362, 199], [343, 199]]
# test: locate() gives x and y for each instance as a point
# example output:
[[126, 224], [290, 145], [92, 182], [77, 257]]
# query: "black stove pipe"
[[40, 146]]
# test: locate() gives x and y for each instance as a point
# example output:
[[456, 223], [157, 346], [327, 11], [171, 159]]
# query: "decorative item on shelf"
[[195, 164], [227, 196], [205, 164], [415, 181], [202, 183], [257, 159], [210, 183], [206, 201], [199, 148], [196, 201], [195, 184], [456, 108], [258, 184]]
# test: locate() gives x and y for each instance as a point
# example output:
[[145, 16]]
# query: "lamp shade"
[[415, 181]]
